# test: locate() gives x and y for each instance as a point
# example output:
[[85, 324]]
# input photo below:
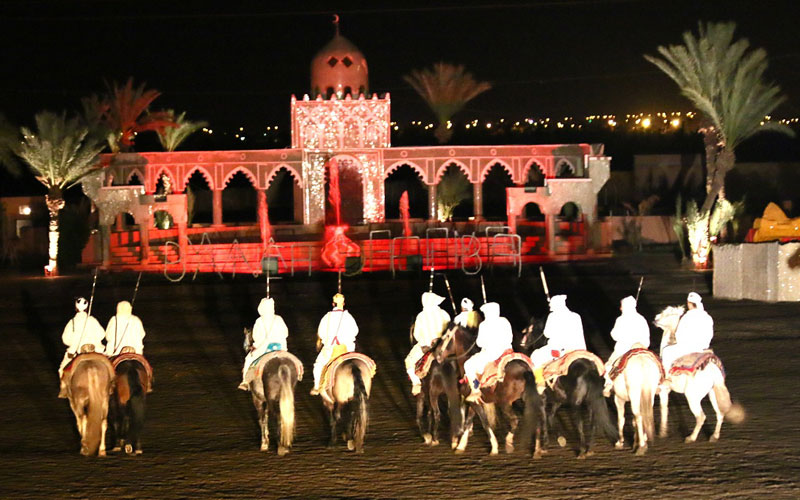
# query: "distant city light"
[[646, 123], [24, 210], [676, 122]]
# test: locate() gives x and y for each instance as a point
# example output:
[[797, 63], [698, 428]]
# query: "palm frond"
[[172, 137]]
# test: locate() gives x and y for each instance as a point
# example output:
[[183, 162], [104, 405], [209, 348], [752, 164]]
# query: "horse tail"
[[533, 411], [97, 409], [599, 407], [360, 417], [123, 391], [286, 404]]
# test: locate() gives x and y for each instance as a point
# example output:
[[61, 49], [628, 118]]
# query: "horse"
[[128, 405], [707, 381], [581, 388], [347, 382], [518, 384], [638, 383], [441, 379], [88, 389], [273, 392]]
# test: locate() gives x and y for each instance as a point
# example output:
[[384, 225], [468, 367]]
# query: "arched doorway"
[[239, 200], [535, 177], [280, 197], [351, 189], [454, 195], [198, 200], [564, 170], [405, 178], [494, 192]]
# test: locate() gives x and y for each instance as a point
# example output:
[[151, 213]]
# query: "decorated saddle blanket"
[[131, 356], [619, 365], [496, 370], [66, 376], [327, 379], [690, 363], [256, 369], [560, 366], [423, 365]]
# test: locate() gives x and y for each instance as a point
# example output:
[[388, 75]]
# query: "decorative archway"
[[495, 179], [533, 175], [239, 197], [282, 189], [404, 177], [351, 188], [455, 195]]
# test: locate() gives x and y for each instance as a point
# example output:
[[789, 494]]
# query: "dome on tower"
[[339, 68]]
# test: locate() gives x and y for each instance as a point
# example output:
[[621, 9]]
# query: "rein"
[[462, 355]]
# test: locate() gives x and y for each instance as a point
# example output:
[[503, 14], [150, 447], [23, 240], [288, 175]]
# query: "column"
[[216, 206], [432, 215], [550, 222], [477, 191], [298, 203], [105, 238], [144, 239]]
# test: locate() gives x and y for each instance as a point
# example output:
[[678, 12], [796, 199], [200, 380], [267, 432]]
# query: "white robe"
[[467, 319], [82, 329], [428, 326], [564, 331], [630, 328], [494, 338], [124, 331], [336, 327], [694, 334], [269, 334]]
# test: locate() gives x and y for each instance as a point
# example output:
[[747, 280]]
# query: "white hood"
[[491, 310], [558, 303], [695, 299], [628, 305], [430, 299], [124, 308], [267, 307]]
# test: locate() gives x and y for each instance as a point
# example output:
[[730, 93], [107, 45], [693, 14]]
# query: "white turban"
[[558, 302], [695, 299], [467, 304]]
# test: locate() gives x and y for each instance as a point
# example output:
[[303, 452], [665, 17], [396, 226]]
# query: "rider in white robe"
[[337, 327], [269, 334], [82, 329], [564, 333], [468, 318], [428, 326], [124, 330], [694, 332], [494, 338], [629, 330]]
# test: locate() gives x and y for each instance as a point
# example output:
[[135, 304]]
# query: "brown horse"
[[441, 380], [128, 405], [88, 389], [348, 391], [458, 343]]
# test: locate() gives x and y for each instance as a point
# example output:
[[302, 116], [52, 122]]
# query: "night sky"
[[235, 63]]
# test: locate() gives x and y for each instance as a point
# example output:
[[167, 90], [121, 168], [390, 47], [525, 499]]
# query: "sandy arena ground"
[[201, 437]]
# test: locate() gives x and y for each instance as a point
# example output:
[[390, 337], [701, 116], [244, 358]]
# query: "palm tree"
[[452, 190], [725, 81], [126, 114], [446, 88], [172, 137], [60, 153]]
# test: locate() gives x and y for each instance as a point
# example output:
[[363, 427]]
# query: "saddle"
[[66, 376], [132, 356], [619, 365], [327, 379], [496, 370], [423, 365], [688, 364], [560, 366], [256, 369]]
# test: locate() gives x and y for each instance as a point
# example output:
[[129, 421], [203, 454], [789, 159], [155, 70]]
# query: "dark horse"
[[442, 379], [351, 386], [273, 392], [128, 405], [581, 389], [458, 344]]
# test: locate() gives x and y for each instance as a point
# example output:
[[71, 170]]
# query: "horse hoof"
[[509, 448], [688, 439], [640, 451], [581, 456], [264, 447], [454, 444], [494, 452], [282, 451], [101, 453], [84, 451], [434, 443], [662, 434], [619, 445], [427, 438], [139, 452], [589, 453], [713, 439], [459, 451], [562, 441], [351, 445], [116, 449], [537, 455], [129, 449]]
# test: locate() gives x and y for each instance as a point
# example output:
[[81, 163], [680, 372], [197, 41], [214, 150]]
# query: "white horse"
[[708, 381], [638, 383]]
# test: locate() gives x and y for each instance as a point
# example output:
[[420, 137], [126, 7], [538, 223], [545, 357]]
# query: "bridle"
[[448, 338]]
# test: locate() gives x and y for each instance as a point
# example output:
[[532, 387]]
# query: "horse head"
[[669, 318], [446, 345], [248, 339], [532, 334]]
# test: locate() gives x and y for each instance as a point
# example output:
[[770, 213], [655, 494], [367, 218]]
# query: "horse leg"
[[481, 412], [513, 422], [699, 416], [549, 423], [663, 400], [620, 404], [720, 416], [455, 409], [437, 415], [101, 452], [260, 405], [334, 412], [586, 431], [465, 431], [420, 414], [636, 407]]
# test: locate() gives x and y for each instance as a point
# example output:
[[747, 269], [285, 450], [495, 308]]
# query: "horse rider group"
[[563, 331], [124, 332]]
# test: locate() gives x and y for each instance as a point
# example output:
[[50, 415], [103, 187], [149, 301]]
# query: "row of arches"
[[564, 169]]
